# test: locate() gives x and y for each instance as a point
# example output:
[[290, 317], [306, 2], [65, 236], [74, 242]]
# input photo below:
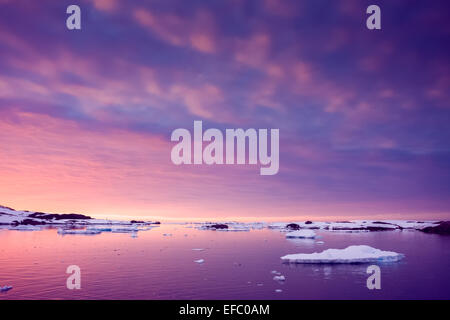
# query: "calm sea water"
[[237, 265]]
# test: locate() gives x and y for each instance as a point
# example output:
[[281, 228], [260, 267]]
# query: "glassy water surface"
[[237, 265]]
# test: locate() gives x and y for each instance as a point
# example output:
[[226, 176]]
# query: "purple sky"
[[86, 115]]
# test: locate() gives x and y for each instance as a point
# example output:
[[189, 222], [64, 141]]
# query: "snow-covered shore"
[[68, 223]]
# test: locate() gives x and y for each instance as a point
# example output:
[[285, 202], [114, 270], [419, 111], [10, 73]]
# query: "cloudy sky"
[[86, 115]]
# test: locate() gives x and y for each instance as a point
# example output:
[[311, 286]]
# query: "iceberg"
[[199, 261], [305, 234], [351, 254]]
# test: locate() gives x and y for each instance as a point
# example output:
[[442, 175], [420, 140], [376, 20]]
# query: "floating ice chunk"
[[167, 234], [25, 228], [279, 278], [351, 254], [198, 249], [146, 228], [275, 272], [100, 228], [305, 234], [199, 261], [77, 231], [278, 290], [277, 225], [125, 229], [235, 228], [5, 288], [320, 242]]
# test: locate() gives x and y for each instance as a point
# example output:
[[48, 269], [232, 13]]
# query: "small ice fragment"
[[5, 288], [167, 234], [199, 261], [305, 234], [278, 290], [275, 272], [198, 249], [125, 229], [25, 228], [77, 231], [279, 278], [320, 242]]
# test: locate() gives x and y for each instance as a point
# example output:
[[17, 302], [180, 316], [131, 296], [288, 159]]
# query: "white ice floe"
[[279, 278], [278, 290], [100, 228], [125, 229], [199, 261], [351, 254], [77, 231], [320, 242], [235, 229], [306, 234], [275, 272], [5, 288], [25, 228], [198, 249]]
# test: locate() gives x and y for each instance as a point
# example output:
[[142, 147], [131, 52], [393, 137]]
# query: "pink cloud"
[[282, 8], [196, 33], [253, 51], [202, 101], [106, 5]]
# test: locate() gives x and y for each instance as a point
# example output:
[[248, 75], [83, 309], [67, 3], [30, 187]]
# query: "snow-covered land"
[[351, 254], [68, 223]]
